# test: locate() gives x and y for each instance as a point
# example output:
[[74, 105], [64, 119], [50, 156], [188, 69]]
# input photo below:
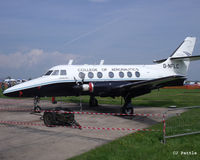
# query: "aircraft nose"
[[4, 92], [10, 94]]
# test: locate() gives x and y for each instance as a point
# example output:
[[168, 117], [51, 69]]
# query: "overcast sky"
[[36, 35]]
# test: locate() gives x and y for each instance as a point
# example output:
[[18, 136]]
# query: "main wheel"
[[48, 119], [127, 110]]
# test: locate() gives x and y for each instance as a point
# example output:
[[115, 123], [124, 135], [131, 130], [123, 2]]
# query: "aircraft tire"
[[127, 110], [37, 109]]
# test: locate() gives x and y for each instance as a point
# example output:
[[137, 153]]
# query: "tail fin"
[[180, 59], [186, 48]]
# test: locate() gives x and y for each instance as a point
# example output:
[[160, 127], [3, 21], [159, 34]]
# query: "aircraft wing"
[[148, 85]]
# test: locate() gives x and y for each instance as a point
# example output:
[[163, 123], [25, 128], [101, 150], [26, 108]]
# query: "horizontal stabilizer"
[[186, 58], [159, 61]]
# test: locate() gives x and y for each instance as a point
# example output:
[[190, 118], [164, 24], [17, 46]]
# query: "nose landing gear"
[[36, 108]]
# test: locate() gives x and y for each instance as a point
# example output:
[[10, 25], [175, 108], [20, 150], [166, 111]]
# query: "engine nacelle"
[[88, 87], [98, 88]]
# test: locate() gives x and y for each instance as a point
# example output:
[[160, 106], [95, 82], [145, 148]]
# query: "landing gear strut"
[[93, 101], [36, 109], [127, 108]]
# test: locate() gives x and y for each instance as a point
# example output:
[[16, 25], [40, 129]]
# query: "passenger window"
[[121, 74], [129, 74], [137, 74], [90, 75], [48, 73], [63, 73], [111, 74], [99, 75], [81, 75], [56, 72]]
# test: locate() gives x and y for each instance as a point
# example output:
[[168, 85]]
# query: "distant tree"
[[2, 86]]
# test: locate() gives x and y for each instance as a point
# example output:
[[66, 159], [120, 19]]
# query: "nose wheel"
[[36, 108]]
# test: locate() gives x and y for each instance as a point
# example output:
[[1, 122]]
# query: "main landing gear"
[[36, 109], [93, 101], [127, 108]]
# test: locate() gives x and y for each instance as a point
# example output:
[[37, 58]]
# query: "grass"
[[161, 98], [168, 97], [188, 122], [147, 145]]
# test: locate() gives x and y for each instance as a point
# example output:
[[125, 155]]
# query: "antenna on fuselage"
[[101, 62], [70, 62]]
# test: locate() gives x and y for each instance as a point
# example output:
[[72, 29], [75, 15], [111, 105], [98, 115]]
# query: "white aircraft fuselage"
[[110, 80], [100, 77]]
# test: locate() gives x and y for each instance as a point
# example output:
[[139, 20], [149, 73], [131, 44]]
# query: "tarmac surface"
[[49, 143]]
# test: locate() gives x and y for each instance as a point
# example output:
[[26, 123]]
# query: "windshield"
[[49, 72], [55, 72]]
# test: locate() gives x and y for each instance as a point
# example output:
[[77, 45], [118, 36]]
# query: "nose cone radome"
[[10, 94]]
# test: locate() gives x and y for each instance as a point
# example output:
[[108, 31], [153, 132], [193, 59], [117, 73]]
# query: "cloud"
[[99, 28], [34, 58]]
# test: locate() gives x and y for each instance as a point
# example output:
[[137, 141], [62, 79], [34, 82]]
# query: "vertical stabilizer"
[[186, 48], [179, 61]]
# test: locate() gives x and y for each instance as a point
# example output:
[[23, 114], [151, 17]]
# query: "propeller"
[[77, 83], [83, 87]]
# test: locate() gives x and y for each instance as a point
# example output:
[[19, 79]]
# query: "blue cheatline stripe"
[[62, 81]]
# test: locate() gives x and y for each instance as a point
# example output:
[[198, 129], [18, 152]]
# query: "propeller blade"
[[76, 81]]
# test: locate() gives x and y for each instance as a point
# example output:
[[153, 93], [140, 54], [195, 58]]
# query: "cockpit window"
[[55, 72], [63, 72], [49, 72]]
